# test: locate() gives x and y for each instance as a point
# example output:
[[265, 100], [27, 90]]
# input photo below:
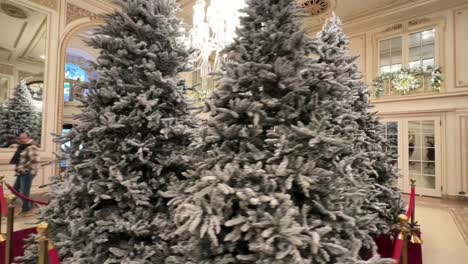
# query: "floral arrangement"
[[407, 80]]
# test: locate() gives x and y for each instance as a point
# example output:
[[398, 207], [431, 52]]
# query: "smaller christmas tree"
[[374, 160], [19, 116]]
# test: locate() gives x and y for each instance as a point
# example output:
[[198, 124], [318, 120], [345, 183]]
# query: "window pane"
[[385, 59], [422, 152], [390, 55], [414, 64], [384, 46], [392, 128], [392, 140], [75, 72], [427, 51], [427, 37], [395, 67], [428, 168], [391, 134], [66, 92], [425, 181], [428, 154], [414, 168], [429, 62], [422, 49], [396, 43], [428, 127], [415, 40], [384, 69], [396, 56], [415, 54]]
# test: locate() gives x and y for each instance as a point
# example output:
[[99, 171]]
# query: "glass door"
[[391, 130], [422, 155]]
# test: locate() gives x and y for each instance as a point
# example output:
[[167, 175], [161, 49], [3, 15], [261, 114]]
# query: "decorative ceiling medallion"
[[13, 11], [317, 7]]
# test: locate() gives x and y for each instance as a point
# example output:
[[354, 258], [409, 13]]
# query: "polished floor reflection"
[[444, 224]]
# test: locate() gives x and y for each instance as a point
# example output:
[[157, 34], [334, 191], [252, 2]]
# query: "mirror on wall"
[[78, 67], [78, 72], [23, 56]]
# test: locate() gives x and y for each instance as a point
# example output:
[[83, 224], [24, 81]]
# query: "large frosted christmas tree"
[[280, 182], [370, 144], [106, 208], [18, 116]]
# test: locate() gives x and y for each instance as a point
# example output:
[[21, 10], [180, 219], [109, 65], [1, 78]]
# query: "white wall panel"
[[357, 46], [461, 48]]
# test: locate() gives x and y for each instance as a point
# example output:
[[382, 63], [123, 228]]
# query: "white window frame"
[[404, 30]]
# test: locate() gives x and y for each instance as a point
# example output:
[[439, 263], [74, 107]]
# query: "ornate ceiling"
[[24, 37]]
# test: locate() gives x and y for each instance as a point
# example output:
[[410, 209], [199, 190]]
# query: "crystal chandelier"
[[213, 30]]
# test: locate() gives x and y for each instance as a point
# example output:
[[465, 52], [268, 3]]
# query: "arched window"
[[74, 74]]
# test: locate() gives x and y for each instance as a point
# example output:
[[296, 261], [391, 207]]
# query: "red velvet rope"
[[19, 195], [3, 202], [397, 250], [53, 256], [409, 214]]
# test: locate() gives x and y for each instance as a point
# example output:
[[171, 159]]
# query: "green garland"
[[405, 81]]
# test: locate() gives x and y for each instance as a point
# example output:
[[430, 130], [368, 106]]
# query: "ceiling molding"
[[6, 69], [20, 34], [95, 6], [35, 40], [312, 26]]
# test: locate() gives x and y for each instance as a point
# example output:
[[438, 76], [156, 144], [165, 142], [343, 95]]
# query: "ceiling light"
[[42, 57]]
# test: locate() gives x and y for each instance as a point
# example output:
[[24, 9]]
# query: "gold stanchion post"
[[10, 225], [413, 185], [414, 225], [43, 243], [2, 237], [404, 231]]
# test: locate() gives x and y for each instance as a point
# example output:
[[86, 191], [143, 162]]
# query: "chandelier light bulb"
[[213, 29]]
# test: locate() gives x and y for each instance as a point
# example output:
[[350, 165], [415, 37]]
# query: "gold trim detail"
[[393, 28], [418, 21], [74, 12]]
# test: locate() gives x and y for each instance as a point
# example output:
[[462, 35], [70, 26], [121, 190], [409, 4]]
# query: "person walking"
[[25, 159]]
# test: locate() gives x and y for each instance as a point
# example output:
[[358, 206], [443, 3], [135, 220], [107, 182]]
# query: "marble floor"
[[444, 226], [444, 239]]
